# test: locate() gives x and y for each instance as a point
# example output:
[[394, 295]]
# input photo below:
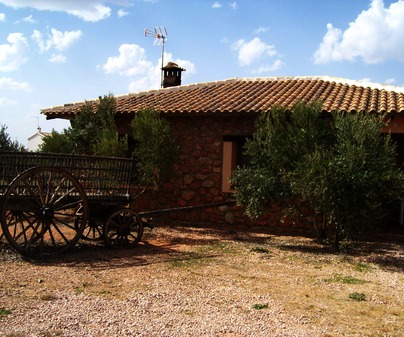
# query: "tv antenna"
[[160, 36]]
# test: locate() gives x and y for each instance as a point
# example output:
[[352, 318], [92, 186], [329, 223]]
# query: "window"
[[233, 156]]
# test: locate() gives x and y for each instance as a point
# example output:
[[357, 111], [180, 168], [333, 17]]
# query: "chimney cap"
[[172, 65]]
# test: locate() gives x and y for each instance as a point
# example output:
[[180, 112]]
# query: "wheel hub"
[[46, 213]]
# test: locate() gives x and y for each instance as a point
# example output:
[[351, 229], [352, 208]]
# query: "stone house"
[[210, 122]]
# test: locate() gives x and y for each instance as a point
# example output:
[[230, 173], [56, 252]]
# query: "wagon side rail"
[[101, 177]]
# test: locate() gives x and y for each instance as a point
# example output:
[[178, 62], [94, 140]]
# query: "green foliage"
[[155, 149], [362, 267], [57, 142], [92, 132], [6, 144], [260, 306], [261, 250], [357, 296], [345, 280], [339, 169], [4, 312]]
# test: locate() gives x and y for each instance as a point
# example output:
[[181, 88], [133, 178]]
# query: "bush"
[[337, 172], [155, 150]]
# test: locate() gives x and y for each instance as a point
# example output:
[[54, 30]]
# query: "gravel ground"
[[169, 310], [152, 291]]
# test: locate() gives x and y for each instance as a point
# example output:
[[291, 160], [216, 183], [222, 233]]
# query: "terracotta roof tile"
[[254, 95]]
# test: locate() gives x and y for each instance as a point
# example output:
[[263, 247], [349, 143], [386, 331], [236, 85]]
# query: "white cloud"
[[5, 101], [88, 10], [63, 41], [2, 17], [29, 19], [260, 30], [375, 36], [269, 68], [57, 58], [251, 51], [57, 39], [14, 54], [122, 13], [390, 81], [130, 61], [233, 5], [10, 84], [216, 5]]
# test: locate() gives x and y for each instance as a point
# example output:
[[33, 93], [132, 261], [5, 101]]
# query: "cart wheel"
[[44, 211], [123, 229], [92, 231]]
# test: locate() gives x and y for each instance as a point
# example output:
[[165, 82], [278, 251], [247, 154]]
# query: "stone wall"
[[197, 175]]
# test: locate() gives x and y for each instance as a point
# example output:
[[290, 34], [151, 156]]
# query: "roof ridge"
[[327, 78]]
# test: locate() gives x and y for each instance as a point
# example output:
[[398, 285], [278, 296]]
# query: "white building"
[[36, 139]]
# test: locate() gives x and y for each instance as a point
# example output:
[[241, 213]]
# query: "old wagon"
[[50, 201]]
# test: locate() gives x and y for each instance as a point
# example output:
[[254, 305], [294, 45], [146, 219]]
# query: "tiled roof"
[[256, 94]]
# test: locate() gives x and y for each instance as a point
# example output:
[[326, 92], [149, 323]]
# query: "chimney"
[[172, 75]]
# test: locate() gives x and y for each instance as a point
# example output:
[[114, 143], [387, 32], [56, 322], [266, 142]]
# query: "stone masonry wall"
[[197, 176]]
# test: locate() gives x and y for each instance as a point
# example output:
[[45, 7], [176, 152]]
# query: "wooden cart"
[[50, 201]]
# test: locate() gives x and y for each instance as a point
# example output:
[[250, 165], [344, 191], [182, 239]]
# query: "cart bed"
[[103, 178]]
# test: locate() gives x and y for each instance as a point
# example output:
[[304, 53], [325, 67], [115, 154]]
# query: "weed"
[[53, 333], [362, 267], [347, 246], [260, 250], [260, 306], [217, 246], [48, 297], [102, 292], [4, 312], [192, 259], [357, 296], [345, 280]]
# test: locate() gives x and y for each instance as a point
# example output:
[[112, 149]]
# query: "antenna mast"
[[160, 35]]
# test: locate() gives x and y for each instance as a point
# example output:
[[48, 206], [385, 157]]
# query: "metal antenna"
[[160, 35]]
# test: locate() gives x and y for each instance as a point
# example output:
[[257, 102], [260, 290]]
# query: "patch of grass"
[[345, 280], [362, 267], [102, 292], [347, 246], [53, 333], [192, 259], [357, 296], [217, 247], [48, 297], [260, 306], [261, 250], [4, 312]]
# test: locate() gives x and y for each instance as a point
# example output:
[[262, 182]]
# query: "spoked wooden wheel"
[[123, 229], [92, 230], [44, 211]]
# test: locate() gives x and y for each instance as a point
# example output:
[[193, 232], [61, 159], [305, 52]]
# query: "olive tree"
[[92, 131], [334, 172], [155, 149]]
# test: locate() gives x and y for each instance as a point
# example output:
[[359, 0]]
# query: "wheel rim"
[[44, 211], [123, 229], [92, 231]]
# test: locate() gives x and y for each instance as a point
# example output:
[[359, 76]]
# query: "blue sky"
[[54, 52]]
